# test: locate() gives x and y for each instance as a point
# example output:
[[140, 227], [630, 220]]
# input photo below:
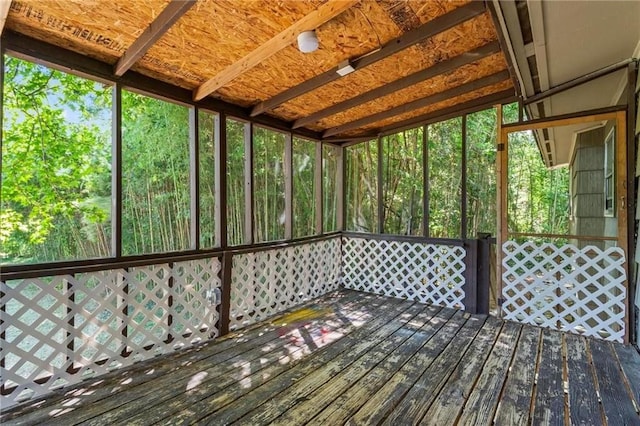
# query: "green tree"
[[155, 176], [56, 178]]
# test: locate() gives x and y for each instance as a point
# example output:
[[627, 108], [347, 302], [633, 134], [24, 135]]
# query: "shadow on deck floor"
[[364, 359]]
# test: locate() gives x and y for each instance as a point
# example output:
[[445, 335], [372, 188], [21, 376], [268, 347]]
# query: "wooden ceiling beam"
[[65, 60], [152, 33], [425, 31], [313, 20], [408, 81], [479, 104], [4, 12], [420, 103]]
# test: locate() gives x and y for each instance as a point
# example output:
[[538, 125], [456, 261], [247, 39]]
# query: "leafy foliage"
[[155, 176], [56, 156], [402, 182], [268, 185], [56, 194], [304, 210]]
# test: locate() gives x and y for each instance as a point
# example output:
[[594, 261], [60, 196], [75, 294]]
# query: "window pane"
[[330, 156], [206, 157], [362, 184], [481, 173], [156, 213], [268, 185], [510, 113], [304, 206], [235, 182], [56, 166], [402, 177], [445, 165], [538, 196]]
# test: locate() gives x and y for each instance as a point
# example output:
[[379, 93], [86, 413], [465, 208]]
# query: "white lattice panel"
[[268, 282], [427, 273], [566, 288], [195, 296], [59, 330]]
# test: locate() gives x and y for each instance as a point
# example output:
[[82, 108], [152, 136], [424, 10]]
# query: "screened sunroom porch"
[[263, 239]]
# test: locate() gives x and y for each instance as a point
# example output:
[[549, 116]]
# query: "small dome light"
[[308, 41]]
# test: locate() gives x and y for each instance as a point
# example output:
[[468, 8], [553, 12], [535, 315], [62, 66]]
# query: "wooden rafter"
[[313, 20], [4, 11], [484, 102], [425, 31], [420, 103], [152, 33], [410, 80]]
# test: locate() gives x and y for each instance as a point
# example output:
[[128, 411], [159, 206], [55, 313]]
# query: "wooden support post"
[[288, 187], [632, 79], [318, 174], [116, 171], [425, 181], [194, 178], [463, 189], [248, 183], [220, 184], [483, 286], [341, 208], [622, 201], [471, 276], [501, 208], [224, 308], [380, 193]]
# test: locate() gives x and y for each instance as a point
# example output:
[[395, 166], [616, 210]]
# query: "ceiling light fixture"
[[345, 68], [308, 41]]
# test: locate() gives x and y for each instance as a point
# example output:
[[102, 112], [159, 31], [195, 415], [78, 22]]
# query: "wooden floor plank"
[[87, 401], [226, 407], [481, 405], [208, 379], [155, 408], [584, 406], [91, 390], [449, 402], [614, 394], [280, 402], [549, 403], [350, 401], [629, 359], [392, 361], [416, 402], [386, 398], [515, 403], [362, 372]]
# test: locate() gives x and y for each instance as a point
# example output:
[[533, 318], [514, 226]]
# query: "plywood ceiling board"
[[65, 23], [347, 35], [214, 34], [438, 84], [373, 127], [457, 40]]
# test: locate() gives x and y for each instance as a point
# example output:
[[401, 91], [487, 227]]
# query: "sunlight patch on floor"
[[196, 380]]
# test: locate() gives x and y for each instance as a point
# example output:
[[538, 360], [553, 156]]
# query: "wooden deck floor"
[[362, 359]]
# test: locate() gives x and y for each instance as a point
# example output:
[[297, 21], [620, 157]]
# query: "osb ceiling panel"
[[85, 26], [356, 32], [442, 47], [214, 34], [465, 74], [495, 88]]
